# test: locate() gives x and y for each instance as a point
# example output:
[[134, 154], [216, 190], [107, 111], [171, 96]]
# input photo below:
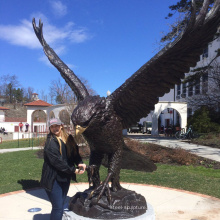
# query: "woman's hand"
[[82, 168]]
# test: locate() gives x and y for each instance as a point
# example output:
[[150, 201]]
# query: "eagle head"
[[86, 112]]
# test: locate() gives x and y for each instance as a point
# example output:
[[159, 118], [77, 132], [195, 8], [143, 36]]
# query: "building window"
[[183, 90], [205, 83], [197, 87], [190, 89], [205, 53]]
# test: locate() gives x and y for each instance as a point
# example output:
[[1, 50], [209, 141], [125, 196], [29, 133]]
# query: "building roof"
[[4, 108], [38, 103]]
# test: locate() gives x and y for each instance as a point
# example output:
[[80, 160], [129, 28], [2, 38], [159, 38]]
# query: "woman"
[[61, 154]]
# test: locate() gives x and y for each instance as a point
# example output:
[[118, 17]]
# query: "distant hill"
[[17, 113]]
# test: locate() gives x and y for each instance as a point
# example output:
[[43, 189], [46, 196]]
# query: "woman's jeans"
[[57, 198]]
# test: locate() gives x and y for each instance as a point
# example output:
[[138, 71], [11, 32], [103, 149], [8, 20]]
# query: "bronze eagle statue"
[[102, 119]]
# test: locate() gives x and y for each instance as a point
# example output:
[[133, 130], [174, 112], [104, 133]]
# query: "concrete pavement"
[[18, 149], [168, 204], [202, 151]]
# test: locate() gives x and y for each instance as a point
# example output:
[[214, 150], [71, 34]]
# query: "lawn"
[[22, 170], [29, 142]]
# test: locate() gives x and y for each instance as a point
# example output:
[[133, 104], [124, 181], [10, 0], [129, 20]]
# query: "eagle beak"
[[79, 130]]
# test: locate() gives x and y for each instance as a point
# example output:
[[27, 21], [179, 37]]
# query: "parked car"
[[135, 128], [147, 127]]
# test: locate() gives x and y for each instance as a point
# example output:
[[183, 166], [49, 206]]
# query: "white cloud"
[[58, 38], [45, 60], [23, 34], [59, 9], [78, 35]]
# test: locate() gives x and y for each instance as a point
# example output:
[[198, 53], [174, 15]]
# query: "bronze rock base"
[[124, 204]]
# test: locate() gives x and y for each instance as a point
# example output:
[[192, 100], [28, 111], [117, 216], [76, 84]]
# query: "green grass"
[[195, 179], [31, 142], [22, 170], [17, 167]]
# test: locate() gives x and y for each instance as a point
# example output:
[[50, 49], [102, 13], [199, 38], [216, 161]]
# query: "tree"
[[10, 90], [59, 99], [18, 95], [201, 121], [88, 87], [61, 93], [8, 84], [183, 8], [28, 94]]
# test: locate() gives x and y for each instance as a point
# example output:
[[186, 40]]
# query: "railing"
[[30, 140]]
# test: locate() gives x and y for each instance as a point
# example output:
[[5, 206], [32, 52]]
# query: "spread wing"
[[137, 96]]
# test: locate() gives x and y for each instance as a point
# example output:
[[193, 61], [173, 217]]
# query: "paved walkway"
[[168, 204], [203, 151], [18, 149]]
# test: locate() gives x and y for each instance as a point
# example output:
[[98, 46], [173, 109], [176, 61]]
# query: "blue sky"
[[103, 41]]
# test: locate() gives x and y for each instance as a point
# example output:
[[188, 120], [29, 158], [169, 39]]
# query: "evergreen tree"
[[18, 95], [201, 121]]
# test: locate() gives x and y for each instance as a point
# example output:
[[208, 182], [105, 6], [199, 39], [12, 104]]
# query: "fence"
[[24, 139], [27, 140]]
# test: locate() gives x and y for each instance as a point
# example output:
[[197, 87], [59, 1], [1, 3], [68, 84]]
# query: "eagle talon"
[[109, 197], [100, 190]]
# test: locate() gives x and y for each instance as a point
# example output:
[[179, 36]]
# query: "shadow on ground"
[[41, 217], [29, 184]]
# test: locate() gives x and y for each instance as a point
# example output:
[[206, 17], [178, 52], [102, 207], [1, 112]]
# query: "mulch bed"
[[158, 154], [165, 155]]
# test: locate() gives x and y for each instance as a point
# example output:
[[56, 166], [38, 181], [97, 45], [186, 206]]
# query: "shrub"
[[201, 121]]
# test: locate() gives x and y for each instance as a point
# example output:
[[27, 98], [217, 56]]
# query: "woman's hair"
[[71, 145], [68, 140]]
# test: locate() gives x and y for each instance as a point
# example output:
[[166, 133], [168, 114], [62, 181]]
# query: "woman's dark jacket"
[[57, 166]]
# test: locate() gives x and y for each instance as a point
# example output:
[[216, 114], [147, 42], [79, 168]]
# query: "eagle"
[[102, 119]]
